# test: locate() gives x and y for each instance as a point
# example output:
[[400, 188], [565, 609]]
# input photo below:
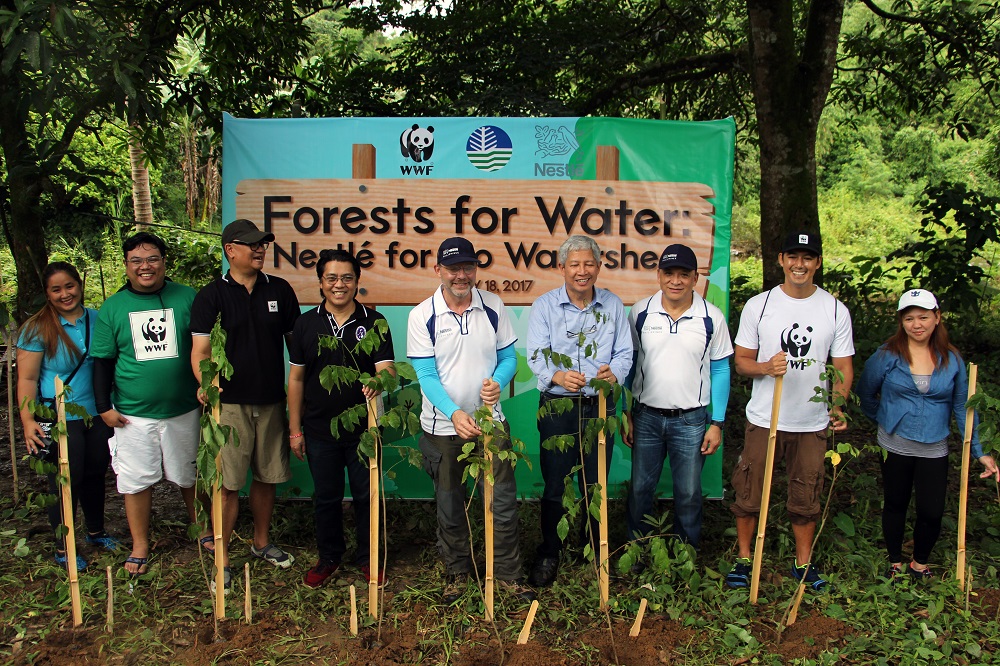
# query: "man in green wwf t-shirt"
[[142, 348]]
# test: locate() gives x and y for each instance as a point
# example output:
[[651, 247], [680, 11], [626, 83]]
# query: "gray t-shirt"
[[907, 447]]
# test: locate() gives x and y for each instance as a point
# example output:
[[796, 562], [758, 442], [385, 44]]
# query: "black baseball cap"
[[457, 251], [244, 231], [678, 256], [803, 240]]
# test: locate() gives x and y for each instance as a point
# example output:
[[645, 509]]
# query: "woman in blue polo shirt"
[[911, 387], [55, 341]]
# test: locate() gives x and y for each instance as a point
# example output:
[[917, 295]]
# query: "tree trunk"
[[792, 68], [142, 200]]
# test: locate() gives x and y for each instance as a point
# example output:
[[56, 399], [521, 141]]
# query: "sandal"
[[141, 561], [208, 543]]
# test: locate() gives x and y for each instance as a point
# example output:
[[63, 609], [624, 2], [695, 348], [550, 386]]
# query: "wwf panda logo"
[[155, 330], [417, 143], [796, 341]]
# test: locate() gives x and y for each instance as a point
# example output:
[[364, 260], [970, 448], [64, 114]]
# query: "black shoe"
[[454, 587], [544, 571], [518, 589], [916, 575]]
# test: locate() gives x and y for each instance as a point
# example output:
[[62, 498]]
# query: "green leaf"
[[845, 523], [562, 529]]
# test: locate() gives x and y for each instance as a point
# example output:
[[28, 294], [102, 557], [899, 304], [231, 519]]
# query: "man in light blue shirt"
[[586, 325]]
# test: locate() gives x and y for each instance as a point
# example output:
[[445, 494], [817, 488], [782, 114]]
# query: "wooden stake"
[[67, 505], [10, 410], [637, 625], [522, 638], [220, 547], [488, 525], [765, 500], [354, 613], [602, 480], [963, 493], [247, 598], [111, 603], [373, 511], [794, 614]]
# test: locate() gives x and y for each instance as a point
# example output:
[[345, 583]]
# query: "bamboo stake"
[[602, 480], [488, 525], [522, 638], [220, 547], [247, 598], [67, 505], [794, 615], [10, 410], [373, 514], [765, 500], [354, 613], [111, 603], [963, 493], [637, 625]]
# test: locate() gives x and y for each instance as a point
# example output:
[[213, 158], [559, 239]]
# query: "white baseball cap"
[[920, 298]]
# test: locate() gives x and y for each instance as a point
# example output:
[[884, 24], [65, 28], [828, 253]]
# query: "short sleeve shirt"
[[321, 406], [464, 348], [673, 366], [149, 336], [255, 324], [810, 331], [81, 389]]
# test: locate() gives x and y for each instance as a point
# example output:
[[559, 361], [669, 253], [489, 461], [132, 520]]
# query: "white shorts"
[[147, 450]]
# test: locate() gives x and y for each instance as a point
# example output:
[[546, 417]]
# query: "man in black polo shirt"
[[258, 310], [311, 407]]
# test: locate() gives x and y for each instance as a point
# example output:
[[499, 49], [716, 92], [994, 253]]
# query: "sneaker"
[[810, 574], [739, 575], [63, 561], [319, 573], [543, 573], [454, 587], [893, 573], [518, 589], [274, 555], [227, 581], [104, 540], [918, 575], [367, 572]]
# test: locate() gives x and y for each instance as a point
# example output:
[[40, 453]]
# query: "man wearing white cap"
[[791, 330]]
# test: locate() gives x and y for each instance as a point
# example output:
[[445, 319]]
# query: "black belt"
[[576, 397], [670, 413]]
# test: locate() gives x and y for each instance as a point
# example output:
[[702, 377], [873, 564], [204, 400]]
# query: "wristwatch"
[[718, 423]]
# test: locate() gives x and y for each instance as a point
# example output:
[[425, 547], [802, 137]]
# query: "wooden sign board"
[[395, 226]]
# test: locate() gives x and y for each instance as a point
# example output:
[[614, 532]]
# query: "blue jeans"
[[655, 437], [556, 465]]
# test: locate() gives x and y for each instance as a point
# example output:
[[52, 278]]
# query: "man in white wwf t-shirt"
[[790, 330]]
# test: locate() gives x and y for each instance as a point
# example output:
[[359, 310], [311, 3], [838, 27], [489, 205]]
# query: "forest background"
[[874, 122]]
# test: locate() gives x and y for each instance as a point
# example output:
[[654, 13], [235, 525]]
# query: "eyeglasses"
[[135, 262], [347, 279], [254, 247], [468, 269]]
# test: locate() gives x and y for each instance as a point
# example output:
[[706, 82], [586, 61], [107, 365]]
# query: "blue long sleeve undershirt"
[[720, 373], [430, 381]]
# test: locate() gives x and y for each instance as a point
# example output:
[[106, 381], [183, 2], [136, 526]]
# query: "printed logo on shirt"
[[154, 335], [796, 341], [360, 332], [272, 306]]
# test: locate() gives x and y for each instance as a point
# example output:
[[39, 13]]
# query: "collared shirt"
[[674, 356], [464, 348], [320, 405], [81, 389], [889, 396], [255, 324], [556, 324]]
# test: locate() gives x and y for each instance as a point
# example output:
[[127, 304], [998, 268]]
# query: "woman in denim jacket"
[[911, 386]]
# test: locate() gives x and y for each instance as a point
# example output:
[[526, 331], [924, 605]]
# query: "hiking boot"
[[274, 555], [454, 587], [544, 571], [319, 573], [810, 574], [739, 576], [916, 574], [518, 589], [367, 572], [104, 540]]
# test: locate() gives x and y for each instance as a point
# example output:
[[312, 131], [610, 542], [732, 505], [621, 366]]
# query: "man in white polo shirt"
[[461, 344], [682, 352]]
